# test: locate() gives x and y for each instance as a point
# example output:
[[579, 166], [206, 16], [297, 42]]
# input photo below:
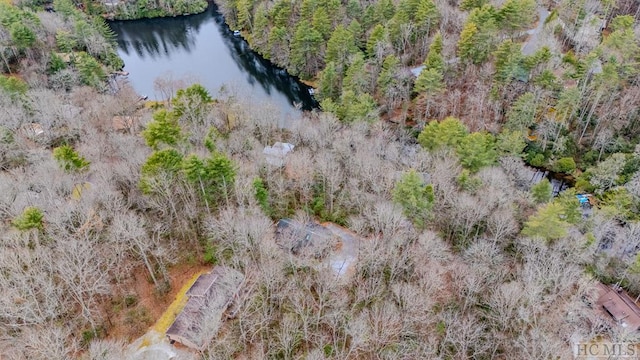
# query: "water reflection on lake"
[[202, 49]]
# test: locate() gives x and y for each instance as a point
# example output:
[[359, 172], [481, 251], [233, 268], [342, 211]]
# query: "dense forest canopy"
[[434, 115], [567, 78]]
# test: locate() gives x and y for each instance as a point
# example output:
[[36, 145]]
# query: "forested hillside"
[[573, 89], [107, 204]]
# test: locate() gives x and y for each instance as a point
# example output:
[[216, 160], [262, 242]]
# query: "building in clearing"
[[616, 303], [208, 300], [338, 245], [275, 155], [310, 238]]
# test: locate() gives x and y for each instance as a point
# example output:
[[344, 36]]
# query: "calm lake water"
[[202, 49]]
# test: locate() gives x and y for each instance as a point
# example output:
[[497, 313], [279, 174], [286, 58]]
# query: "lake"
[[201, 48]]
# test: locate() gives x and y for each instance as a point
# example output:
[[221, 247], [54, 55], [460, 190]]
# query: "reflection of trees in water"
[[262, 71], [159, 37]]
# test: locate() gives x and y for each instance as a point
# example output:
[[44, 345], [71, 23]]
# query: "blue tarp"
[[583, 199]]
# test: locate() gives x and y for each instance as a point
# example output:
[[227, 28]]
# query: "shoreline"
[[109, 16]]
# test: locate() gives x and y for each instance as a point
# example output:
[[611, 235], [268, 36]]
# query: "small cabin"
[[310, 238], [617, 304], [337, 245], [210, 296]]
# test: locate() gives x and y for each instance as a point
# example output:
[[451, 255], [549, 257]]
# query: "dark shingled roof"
[[209, 297], [297, 237]]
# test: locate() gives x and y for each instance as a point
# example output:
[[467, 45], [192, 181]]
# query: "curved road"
[[533, 42]]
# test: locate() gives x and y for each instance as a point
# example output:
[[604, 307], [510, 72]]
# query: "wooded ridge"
[[110, 204]]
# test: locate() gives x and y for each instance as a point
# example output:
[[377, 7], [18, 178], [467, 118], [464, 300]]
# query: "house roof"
[[417, 70], [208, 299], [619, 305], [295, 236], [203, 284], [330, 240], [275, 154]]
